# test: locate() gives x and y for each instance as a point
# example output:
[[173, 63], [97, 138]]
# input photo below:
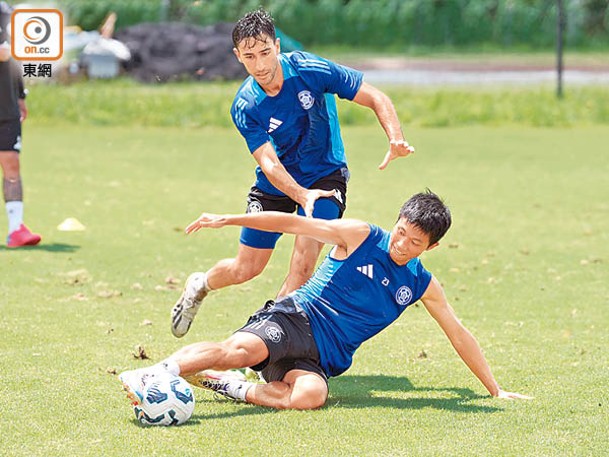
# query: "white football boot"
[[185, 309], [134, 382]]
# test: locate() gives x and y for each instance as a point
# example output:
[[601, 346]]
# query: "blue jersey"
[[349, 301], [301, 120]]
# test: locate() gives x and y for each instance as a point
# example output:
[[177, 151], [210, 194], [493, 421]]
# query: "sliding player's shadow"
[[355, 391], [373, 391]]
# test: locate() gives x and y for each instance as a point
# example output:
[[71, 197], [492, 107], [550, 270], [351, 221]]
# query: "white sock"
[[169, 365], [238, 389], [14, 211], [205, 283]]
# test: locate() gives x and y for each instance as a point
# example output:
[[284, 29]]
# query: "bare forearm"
[[328, 232], [274, 221], [371, 97], [270, 221], [282, 180], [470, 352], [388, 118]]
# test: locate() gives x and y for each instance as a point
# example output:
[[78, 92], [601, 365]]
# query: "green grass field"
[[525, 266]]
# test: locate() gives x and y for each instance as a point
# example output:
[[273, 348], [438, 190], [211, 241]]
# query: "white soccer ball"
[[168, 400]]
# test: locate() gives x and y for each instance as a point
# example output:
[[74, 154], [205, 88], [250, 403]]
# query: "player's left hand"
[[206, 220], [512, 395], [311, 197], [396, 149]]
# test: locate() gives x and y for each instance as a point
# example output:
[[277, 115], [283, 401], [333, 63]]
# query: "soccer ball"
[[167, 400]]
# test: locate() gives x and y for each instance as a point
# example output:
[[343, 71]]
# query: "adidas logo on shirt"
[[274, 124], [366, 270]]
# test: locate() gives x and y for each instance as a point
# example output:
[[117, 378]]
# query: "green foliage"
[[89, 14], [376, 23], [124, 102], [524, 266]]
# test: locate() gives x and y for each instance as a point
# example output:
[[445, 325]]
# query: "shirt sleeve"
[[327, 76], [422, 278], [242, 113]]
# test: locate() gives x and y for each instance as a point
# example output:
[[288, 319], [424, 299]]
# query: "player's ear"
[[430, 247], [278, 45], [237, 54]]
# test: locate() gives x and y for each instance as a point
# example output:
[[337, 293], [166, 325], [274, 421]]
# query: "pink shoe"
[[22, 237]]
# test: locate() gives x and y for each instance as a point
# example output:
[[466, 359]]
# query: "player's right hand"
[[512, 395]]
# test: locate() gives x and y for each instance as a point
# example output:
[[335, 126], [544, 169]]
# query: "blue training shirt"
[[349, 301], [301, 120]]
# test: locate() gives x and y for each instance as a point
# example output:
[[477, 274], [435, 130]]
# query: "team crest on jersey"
[[306, 99], [403, 295], [254, 207], [273, 333]]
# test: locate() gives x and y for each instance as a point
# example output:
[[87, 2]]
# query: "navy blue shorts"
[[325, 208], [285, 330], [10, 135]]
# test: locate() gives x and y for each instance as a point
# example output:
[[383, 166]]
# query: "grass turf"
[[124, 103], [525, 266]]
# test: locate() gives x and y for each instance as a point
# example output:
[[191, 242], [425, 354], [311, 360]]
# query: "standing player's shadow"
[[50, 247], [375, 391]]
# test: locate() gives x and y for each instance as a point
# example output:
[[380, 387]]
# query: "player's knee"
[[243, 271], [312, 399], [309, 392]]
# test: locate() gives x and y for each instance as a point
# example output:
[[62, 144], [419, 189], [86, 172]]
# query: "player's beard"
[[269, 77]]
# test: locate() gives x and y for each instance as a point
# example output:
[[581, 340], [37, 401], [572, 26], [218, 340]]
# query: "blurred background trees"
[[378, 24]]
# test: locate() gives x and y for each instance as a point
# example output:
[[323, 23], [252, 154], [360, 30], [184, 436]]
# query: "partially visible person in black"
[[13, 112]]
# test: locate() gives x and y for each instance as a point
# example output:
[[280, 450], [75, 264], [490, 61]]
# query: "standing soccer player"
[[286, 112], [13, 112]]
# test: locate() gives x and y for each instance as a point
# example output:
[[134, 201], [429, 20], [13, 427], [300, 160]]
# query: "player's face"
[[259, 58], [407, 241]]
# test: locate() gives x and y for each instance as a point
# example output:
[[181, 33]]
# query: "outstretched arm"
[[346, 234], [274, 170], [382, 106], [462, 340]]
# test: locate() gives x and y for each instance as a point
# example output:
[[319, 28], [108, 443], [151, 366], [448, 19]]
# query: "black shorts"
[[10, 135], [325, 208], [285, 330], [258, 200]]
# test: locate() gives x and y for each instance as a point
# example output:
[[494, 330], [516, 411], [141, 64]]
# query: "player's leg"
[[255, 250], [302, 263], [306, 250], [241, 350], [299, 389], [12, 188], [293, 374], [248, 263], [255, 246]]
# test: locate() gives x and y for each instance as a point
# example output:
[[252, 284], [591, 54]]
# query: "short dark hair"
[[428, 212], [255, 24]]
